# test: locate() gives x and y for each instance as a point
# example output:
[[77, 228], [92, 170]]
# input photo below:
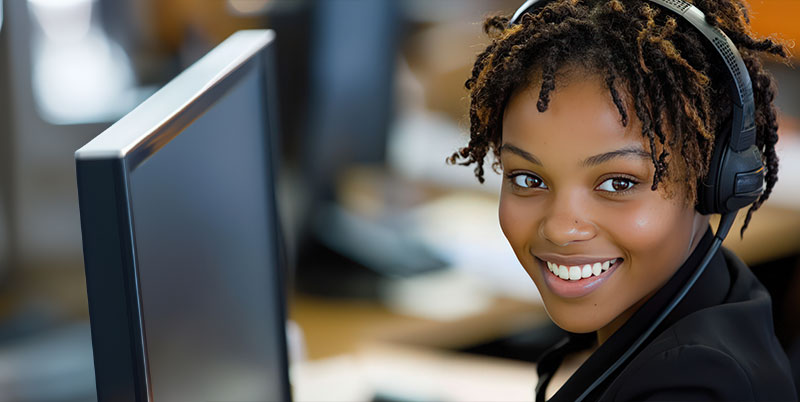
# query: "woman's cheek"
[[517, 221], [638, 223], [655, 222], [505, 215], [647, 231]]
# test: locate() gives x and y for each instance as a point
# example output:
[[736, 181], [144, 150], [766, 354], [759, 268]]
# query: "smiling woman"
[[604, 116]]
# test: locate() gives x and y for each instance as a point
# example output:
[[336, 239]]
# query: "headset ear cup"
[[708, 186], [734, 179]]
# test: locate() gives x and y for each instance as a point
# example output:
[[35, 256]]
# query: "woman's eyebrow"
[[635, 151], [525, 154], [595, 160]]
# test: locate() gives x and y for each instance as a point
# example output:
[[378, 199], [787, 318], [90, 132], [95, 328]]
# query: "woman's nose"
[[565, 224]]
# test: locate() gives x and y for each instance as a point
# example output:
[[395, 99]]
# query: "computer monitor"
[[181, 238]]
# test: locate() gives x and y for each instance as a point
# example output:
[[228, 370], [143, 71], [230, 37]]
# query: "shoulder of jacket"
[[684, 371]]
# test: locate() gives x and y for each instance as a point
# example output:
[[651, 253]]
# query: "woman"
[[603, 116]]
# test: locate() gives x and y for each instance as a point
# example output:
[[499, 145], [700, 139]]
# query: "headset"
[[735, 176]]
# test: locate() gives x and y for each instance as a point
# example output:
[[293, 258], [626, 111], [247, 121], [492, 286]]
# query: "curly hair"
[[667, 71]]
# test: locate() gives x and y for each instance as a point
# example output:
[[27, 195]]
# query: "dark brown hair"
[[673, 78]]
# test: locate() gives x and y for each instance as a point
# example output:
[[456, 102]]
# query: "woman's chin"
[[578, 325]]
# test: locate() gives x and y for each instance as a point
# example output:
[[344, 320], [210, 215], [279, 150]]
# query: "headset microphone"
[[735, 176]]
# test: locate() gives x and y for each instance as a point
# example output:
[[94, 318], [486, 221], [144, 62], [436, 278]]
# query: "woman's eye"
[[616, 185], [527, 181]]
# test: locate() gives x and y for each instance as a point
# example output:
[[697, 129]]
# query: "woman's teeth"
[[575, 272]]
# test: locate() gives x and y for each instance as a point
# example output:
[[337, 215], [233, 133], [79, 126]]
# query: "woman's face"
[[577, 208]]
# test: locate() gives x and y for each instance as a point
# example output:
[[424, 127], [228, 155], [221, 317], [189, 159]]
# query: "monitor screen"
[[181, 240]]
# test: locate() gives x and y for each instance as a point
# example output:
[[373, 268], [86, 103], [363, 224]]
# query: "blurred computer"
[[181, 238]]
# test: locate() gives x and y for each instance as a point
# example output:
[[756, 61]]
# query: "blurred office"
[[400, 282]]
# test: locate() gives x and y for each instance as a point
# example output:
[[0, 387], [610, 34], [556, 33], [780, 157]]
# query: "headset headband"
[[743, 125]]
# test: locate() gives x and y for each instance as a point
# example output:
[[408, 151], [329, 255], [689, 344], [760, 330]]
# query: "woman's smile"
[[576, 276]]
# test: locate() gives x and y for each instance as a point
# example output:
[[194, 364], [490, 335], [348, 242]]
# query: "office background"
[[387, 244]]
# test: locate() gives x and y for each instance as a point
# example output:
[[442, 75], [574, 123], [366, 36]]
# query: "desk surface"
[[334, 327], [356, 349], [411, 374]]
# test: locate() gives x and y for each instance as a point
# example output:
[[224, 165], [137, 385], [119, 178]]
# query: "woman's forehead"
[[581, 114]]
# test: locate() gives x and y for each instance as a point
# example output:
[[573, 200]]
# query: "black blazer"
[[717, 345]]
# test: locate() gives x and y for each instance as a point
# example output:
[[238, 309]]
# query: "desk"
[[334, 327], [357, 347], [412, 373]]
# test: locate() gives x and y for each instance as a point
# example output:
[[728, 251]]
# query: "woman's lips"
[[575, 280]]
